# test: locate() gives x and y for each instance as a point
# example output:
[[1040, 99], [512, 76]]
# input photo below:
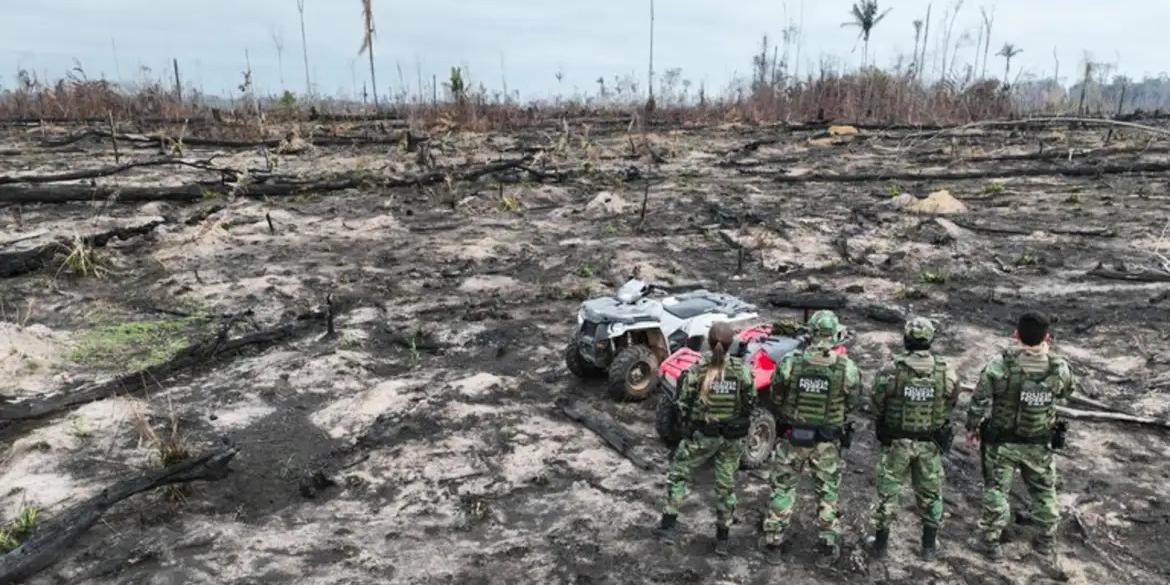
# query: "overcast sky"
[[710, 40]]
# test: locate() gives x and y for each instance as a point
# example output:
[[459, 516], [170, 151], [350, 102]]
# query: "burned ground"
[[422, 443]]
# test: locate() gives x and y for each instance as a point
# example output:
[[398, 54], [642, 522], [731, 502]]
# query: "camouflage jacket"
[[819, 354], [995, 372], [689, 405], [922, 362]]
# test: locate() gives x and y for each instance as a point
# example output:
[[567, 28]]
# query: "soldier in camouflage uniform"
[[813, 391], [912, 401], [1013, 413], [715, 399]]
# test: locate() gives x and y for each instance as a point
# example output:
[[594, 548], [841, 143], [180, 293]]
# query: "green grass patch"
[[933, 277], [17, 530], [134, 345]]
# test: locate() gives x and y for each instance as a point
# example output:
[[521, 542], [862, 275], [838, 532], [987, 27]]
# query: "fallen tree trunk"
[[88, 174], [612, 432], [1101, 231], [272, 187], [150, 140], [1143, 276], [193, 355], [56, 538], [1100, 416], [1068, 171], [17, 262]]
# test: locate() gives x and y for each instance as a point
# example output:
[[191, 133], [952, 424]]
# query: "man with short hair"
[[1013, 414], [912, 402], [813, 391]]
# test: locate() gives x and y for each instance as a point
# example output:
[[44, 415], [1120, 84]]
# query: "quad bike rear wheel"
[[633, 374], [666, 421], [761, 439], [577, 364]]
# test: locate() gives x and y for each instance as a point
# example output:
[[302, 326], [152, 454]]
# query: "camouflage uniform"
[[731, 397], [912, 401], [812, 388], [1020, 388]]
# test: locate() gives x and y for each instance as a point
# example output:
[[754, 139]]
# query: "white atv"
[[626, 336]]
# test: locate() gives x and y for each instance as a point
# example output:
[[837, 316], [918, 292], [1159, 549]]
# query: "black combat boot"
[[722, 547], [827, 554], [992, 549], [881, 543], [774, 554], [666, 528], [1045, 547], [929, 543]]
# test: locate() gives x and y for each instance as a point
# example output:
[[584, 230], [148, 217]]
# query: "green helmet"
[[919, 328], [824, 324]]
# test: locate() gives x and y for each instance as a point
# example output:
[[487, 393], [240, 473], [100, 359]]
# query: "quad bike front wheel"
[[761, 439], [577, 364], [633, 374]]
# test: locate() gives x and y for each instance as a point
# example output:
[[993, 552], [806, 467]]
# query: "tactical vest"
[[724, 399], [916, 405], [815, 394], [1023, 408]]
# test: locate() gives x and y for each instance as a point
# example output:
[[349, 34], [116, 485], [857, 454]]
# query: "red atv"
[[762, 348]]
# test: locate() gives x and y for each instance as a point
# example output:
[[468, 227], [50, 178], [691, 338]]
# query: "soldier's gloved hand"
[[972, 439]]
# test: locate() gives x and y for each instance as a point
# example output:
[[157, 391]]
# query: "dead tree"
[[56, 538]]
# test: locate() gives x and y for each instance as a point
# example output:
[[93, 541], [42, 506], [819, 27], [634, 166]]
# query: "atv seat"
[[689, 308]]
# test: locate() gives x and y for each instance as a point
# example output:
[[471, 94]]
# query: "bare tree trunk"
[[305, 48], [1085, 86], [989, 20], [926, 37], [373, 80], [650, 76], [178, 82]]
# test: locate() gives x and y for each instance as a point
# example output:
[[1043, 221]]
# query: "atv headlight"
[[617, 329], [580, 316]]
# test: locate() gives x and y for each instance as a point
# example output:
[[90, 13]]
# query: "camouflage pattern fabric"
[[824, 324], [824, 463], [919, 328], [923, 461], [1000, 461], [1038, 470], [691, 454], [1032, 361]]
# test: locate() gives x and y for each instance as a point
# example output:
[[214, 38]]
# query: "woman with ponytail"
[[715, 399]]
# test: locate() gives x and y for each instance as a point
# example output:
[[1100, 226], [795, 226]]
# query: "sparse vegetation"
[[168, 447], [82, 259], [893, 190], [134, 345], [17, 530], [993, 188], [933, 277], [1026, 259]]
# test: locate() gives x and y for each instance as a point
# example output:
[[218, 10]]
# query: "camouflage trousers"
[[1038, 470], [824, 463], [923, 462], [692, 454]]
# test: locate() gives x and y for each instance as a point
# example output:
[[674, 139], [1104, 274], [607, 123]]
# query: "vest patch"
[[916, 393], [723, 387], [813, 386]]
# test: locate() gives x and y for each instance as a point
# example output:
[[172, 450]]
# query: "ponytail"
[[719, 339]]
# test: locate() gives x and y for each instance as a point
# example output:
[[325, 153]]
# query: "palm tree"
[[305, 48], [1007, 52], [368, 43], [865, 18]]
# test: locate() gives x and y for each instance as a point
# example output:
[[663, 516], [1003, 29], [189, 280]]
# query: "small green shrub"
[[993, 188], [933, 277]]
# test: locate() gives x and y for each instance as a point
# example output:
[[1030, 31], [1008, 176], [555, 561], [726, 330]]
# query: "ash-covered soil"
[[422, 443]]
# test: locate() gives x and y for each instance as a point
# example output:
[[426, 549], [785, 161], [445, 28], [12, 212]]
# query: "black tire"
[[633, 374], [761, 440], [666, 421], [577, 365]]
